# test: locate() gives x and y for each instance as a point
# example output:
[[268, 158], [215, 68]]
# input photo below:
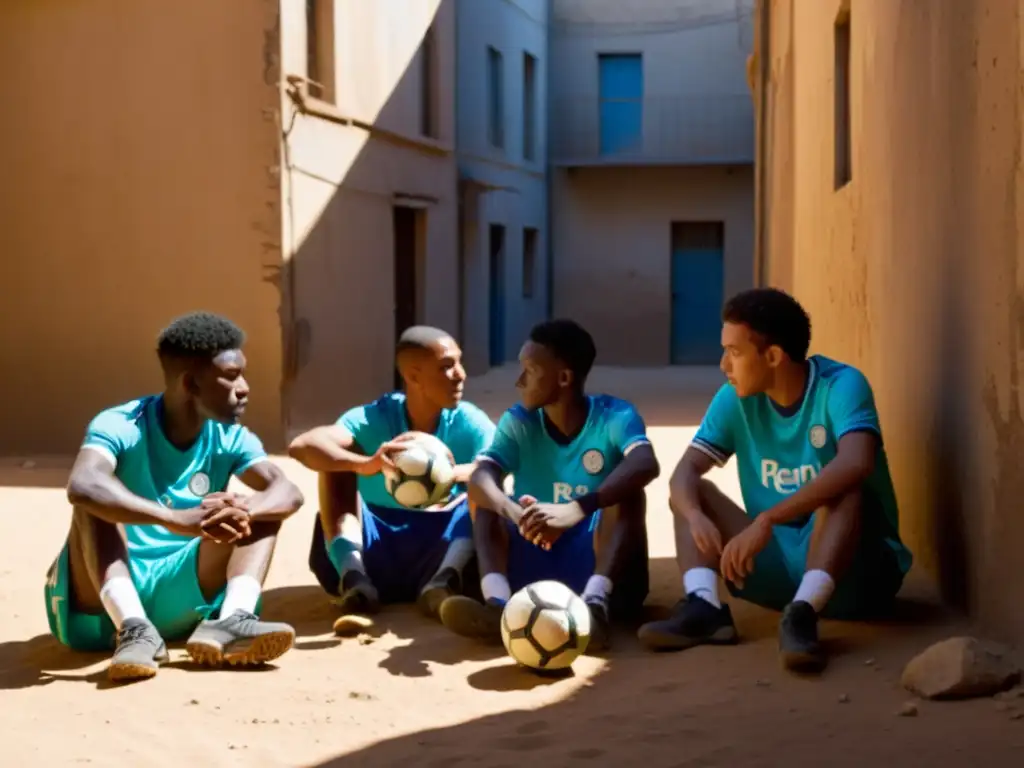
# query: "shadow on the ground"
[[683, 708]]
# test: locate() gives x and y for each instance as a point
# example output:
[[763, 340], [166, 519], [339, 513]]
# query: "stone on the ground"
[[351, 625], [960, 668], [909, 709]]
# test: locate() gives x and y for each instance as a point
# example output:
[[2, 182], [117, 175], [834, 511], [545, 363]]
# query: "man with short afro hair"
[[157, 545]]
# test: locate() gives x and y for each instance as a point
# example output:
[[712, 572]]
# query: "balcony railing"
[[668, 130]]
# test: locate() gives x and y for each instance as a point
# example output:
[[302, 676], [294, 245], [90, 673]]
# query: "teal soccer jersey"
[[465, 429], [555, 473], [779, 450], [130, 435]]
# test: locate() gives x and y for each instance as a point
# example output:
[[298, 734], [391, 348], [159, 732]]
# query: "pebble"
[[909, 709]]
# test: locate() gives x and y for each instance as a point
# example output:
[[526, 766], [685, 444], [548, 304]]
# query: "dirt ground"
[[412, 694]]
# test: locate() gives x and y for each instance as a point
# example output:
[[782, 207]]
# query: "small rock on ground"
[[959, 668]]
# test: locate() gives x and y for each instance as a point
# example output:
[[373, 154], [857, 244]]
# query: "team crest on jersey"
[[817, 436], [593, 461], [199, 484]]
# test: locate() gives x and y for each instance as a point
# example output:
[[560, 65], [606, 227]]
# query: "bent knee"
[[265, 529]]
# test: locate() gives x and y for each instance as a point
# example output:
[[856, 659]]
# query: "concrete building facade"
[[892, 205], [652, 148], [501, 145], [170, 157], [369, 192]]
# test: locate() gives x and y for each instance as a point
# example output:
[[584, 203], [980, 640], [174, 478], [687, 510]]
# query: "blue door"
[[698, 285], [621, 85], [497, 303]]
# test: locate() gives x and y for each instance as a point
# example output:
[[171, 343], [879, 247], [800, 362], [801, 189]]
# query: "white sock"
[[121, 600], [495, 585], [816, 588], [458, 555], [598, 588], [241, 594], [704, 583]]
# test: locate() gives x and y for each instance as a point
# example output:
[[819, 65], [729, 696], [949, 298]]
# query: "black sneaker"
[[356, 594], [799, 648], [443, 585], [600, 626], [478, 621], [694, 621]]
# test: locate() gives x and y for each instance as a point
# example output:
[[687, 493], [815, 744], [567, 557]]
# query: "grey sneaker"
[[443, 585], [140, 652], [239, 639]]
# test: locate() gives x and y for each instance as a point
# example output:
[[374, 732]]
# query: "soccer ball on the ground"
[[423, 474], [545, 625]]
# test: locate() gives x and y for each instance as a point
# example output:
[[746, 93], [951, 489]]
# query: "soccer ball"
[[423, 474], [545, 625]]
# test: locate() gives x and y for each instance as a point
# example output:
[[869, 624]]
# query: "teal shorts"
[[168, 587], [865, 591]]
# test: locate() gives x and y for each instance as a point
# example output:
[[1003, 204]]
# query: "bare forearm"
[[684, 490], [485, 492], [325, 456], [107, 498], [278, 502]]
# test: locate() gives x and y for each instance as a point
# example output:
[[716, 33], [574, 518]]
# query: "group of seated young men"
[[158, 546]]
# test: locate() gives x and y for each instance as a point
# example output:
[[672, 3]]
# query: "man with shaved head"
[[396, 554]]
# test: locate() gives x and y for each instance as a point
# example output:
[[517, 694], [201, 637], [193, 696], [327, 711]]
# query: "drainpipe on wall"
[[549, 202], [763, 64]]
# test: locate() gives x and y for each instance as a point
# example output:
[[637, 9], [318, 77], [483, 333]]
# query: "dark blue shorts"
[[572, 560], [402, 549]]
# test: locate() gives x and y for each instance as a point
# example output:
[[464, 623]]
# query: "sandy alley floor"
[[416, 696]]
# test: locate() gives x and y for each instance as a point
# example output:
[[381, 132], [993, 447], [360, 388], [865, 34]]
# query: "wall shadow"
[[35, 472]]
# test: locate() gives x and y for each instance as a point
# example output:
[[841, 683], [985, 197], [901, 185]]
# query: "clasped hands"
[[222, 517], [543, 524]]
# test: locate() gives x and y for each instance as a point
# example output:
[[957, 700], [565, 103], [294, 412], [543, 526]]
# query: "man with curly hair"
[[157, 545], [820, 533]]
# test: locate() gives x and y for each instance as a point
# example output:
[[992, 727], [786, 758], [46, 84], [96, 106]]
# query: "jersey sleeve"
[[247, 451], [716, 436], [851, 405], [357, 422], [627, 428], [476, 433], [505, 447], [111, 433]]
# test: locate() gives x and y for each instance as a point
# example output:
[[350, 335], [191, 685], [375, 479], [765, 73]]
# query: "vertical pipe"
[[761, 222]]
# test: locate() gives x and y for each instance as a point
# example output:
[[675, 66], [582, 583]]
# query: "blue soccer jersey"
[[555, 473], [131, 436], [465, 429], [779, 450]]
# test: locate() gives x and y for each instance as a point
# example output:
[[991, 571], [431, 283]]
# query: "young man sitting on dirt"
[[395, 555], [157, 546], [580, 464], [819, 536]]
